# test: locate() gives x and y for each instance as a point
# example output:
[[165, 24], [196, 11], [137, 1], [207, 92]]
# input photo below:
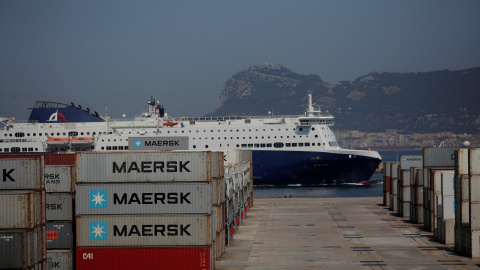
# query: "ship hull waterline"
[[310, 168]]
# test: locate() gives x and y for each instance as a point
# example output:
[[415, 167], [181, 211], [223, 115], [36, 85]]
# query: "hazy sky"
[[120, 52]]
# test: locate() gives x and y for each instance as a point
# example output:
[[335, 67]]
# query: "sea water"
[[340, 190]]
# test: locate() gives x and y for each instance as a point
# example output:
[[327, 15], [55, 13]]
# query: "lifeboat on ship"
[[81, 140], [170, 124], [57, 141]]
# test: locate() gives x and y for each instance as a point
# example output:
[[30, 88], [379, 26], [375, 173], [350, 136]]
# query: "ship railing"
[[226, 118]]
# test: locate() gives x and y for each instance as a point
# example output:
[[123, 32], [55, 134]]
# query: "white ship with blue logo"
[[285, 149]]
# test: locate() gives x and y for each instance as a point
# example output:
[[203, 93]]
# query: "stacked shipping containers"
[[386, 183], [404, 195], [394, 186], [435, 161], [239, 190], [467, 198], [149, 209], [474, 204], [445, 209], [22, 213], [60, 190], [416, 195]]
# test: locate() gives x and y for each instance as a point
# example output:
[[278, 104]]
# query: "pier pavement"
[[334, 233]]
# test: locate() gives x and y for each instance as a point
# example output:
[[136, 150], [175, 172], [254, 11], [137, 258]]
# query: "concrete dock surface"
[[334, 233]]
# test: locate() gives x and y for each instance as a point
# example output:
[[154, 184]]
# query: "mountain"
[[412, 102]]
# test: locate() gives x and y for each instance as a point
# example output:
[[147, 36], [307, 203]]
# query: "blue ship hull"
[[299, 167]]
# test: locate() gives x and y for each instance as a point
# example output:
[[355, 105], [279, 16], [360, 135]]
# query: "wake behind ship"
[[285, 149]]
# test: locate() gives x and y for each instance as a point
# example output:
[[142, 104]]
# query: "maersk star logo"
[[98, 198], [98, 231], [138, 143]]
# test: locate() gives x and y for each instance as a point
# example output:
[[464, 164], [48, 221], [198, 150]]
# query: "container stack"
[[142, 210], [386, 184], [467, 198], [435, 161], [239, 190], [394, 186], [404, 195], [445, 209], [416, 195], [60, 189], [22, 212], [474, 204]]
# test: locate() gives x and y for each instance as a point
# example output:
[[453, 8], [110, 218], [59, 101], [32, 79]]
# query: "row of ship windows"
[[71, 133], [18, 149], [249, 145]]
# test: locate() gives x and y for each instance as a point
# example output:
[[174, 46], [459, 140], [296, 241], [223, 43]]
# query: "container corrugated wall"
[[191, 258], [59, 235], [21, 173], [59, 206], [60, 259], [59, 178], [408, 161], [21, 209], [161, 198], [438, 157], [22, 248], [144, 167], [14, 249], [161, 230]]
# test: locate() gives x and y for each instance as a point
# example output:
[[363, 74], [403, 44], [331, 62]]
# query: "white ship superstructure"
[[306, 142]]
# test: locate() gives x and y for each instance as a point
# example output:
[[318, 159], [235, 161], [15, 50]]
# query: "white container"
[[448, 207], [474, 188], [447, 179], [124, 167], [405, 178], [461, 161], [21, 209], [157, 198], [407, 161], [475, 216], [59, 178], [475, 244], [21, 173], [159, 230], [474, 161], [59, 206], [60, 259]]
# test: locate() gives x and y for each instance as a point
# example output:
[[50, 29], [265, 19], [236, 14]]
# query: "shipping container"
[[438, 157], [60, 159], [461, 161], [135, 230], [59, 178], [475, 216], [448, 183], [168, 258], [59, 206], [21, 209], [219, 214], [22, 248], [60, 259], [408, 161], [21, 173], [474, 188], [59, 235], [157, 198], [162, 166], [14, 249], [474, 161]]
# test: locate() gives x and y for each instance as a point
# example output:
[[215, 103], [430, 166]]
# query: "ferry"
[[298, 149]]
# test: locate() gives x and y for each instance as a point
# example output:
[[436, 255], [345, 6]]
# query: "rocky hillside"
[[413, 102]]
